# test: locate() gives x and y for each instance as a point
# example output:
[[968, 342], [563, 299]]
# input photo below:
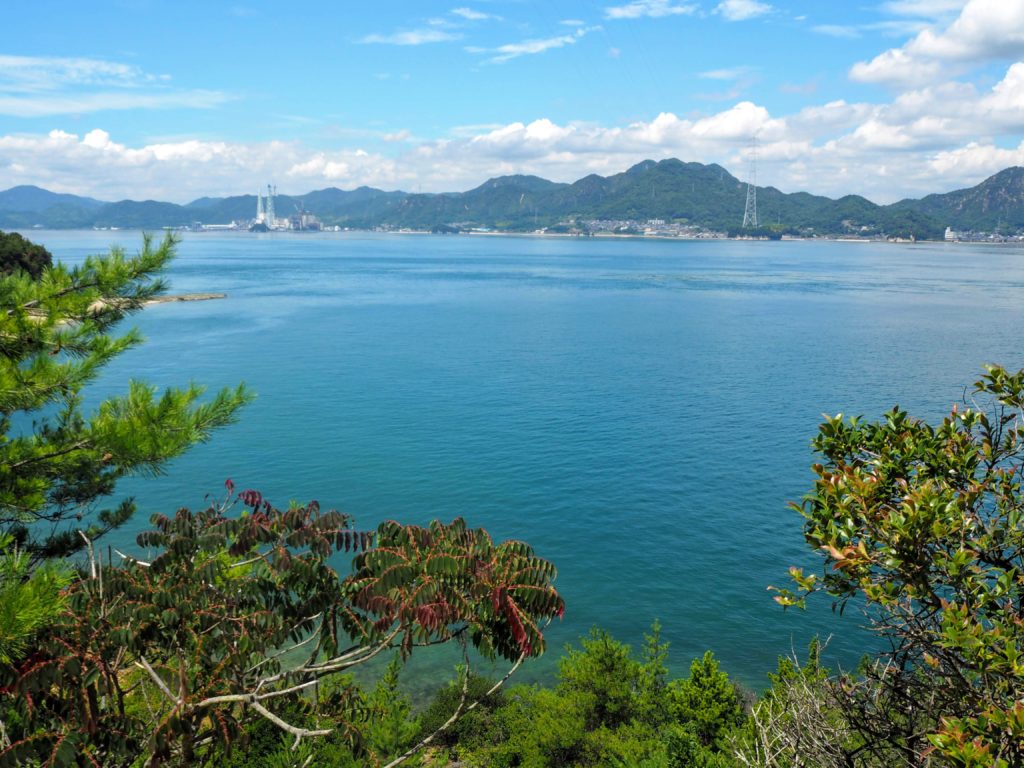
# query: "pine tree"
[[56, 334]]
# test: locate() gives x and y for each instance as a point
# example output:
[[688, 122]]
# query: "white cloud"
[[897, 67], [511, 51], [741, 10], [651, 8], [398, 136], [732, 73], [413, 37], [848, 31], [31, 74], [806, 88], [471, 14], [923, 8], [70, 104], [985, 30], [928, 139], [892, 28], [34, 86], [976, 160]]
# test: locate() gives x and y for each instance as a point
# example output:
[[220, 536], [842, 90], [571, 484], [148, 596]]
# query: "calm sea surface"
[[639, 411]]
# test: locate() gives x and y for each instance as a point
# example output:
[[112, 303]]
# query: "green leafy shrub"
[[923, 526]]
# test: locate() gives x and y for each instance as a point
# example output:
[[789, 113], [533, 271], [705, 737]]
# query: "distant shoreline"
[[101, 303], [184, 297], [718, 237]]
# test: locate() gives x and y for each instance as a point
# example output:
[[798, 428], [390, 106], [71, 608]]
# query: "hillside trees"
[[923, 526], [17, 253], [608, 709]]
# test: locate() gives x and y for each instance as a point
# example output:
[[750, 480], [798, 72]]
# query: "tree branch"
[[459, 711], [298, 733], [143, 664]]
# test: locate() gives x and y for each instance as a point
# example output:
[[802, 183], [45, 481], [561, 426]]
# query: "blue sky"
[[148, 99]]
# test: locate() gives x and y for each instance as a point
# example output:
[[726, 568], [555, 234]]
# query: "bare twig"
[[135, 560], [298, 733], [92, 554], [143, 664], [460, 711]]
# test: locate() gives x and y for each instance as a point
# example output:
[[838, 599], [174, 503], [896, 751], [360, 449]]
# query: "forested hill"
[[995, 204], [693, 193]]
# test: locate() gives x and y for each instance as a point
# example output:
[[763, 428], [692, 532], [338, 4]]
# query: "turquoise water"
[[639, 411]]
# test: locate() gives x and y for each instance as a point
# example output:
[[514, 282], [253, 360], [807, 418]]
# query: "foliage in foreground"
[[56, 335], [238, 618], [923, 526], [56, 460], [608, 708], [234, 618]]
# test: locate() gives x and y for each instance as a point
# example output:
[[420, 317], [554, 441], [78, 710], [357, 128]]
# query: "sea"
[[640, 411]]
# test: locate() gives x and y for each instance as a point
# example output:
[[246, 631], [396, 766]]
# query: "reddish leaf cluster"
[[429, 583], [198, 631]]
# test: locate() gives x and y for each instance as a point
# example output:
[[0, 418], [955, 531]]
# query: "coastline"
[[184, 297], [711, 237]]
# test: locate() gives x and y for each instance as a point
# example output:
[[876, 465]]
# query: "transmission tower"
[[750, 212]]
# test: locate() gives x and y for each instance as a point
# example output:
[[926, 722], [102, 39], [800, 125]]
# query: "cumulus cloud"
[[924, 140], [897, 67], [97, 164], [985, 30], [651, 8], [976, 160], [741, 10]]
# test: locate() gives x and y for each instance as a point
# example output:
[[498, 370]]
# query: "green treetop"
[[18, 253], [55, 338]]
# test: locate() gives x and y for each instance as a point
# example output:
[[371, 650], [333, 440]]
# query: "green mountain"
[[361, 207], [149, 214], [688, 193], [995, 204], [27, 206], [36, 199], [691, 193]]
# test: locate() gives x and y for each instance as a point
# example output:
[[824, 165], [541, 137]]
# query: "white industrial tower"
[[750, 212], [271, 217]]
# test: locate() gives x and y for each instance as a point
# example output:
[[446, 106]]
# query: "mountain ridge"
[[690, 193]]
